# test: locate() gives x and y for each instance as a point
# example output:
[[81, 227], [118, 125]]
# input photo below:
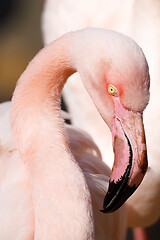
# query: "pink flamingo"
[[140, 20], [16, 205], [61, 192]]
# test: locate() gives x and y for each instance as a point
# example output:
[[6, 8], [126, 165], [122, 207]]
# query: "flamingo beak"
[[130, 157]]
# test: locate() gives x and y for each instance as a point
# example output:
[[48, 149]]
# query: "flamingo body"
[[15, 196], [16, 209]]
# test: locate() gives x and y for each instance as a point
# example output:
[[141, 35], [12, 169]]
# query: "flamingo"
[[140, 20], [66, 193], [16, 205], [16, 217]]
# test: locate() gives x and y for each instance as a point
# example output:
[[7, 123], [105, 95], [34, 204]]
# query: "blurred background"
[[20, 40]]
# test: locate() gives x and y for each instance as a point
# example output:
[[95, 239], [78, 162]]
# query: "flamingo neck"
[[61, 199]]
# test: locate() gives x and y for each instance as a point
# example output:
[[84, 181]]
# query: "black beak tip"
[[105, 211], [119, 191], [116, 196]]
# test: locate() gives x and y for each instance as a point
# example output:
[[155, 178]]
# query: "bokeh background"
[[20, 40]]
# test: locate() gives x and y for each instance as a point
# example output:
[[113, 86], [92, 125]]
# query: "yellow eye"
[[112, 90]]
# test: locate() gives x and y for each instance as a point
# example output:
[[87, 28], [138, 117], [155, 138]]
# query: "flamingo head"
[[118, 81]]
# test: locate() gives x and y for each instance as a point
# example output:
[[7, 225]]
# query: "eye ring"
[[112, 90]]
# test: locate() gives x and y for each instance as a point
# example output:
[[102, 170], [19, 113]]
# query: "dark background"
[[20, 39]]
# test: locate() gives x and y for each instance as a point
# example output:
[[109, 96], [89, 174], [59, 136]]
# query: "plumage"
[[16, 212], [67, 192], [15, 191], [140, 20]]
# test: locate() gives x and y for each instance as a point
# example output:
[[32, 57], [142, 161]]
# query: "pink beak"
[[130, 161]]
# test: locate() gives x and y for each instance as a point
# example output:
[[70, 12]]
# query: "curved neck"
[[61, 198], [38, 91]]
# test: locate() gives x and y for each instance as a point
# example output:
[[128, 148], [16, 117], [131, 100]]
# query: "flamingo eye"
[[112, 90]]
